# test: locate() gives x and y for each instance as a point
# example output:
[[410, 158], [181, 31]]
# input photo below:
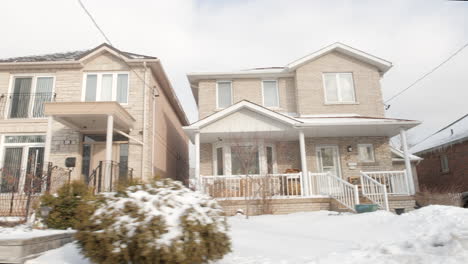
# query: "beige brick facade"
[[303, 94], [168, 146]]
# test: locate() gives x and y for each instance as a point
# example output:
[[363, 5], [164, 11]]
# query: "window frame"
[[444, 168], [34, 77], [359, 153], [217, 93], [226, 146], [277, 106], [25, 149], [338, 88], [99, 75]]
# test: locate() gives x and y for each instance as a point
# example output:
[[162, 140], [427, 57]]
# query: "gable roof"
[[244, 104], [381, 64], [453, 133], [288, 70], [72, 55]]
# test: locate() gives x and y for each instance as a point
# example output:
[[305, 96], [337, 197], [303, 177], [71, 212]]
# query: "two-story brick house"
[[114, 112], [313, 127]]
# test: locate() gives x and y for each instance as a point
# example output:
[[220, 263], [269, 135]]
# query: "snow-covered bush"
[[162, 222], [66, 206]]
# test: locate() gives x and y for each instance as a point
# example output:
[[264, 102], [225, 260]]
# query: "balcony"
[[24, 105]]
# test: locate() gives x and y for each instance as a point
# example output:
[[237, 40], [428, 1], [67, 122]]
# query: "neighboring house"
[[114, 112], [445, 165], [311, 128]]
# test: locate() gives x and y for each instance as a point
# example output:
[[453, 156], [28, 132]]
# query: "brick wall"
[[276, 206], [246, 89], [430, 174]]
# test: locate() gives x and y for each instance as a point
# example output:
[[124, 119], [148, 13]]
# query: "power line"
[[440, 130], [110, 43], [425, 75]]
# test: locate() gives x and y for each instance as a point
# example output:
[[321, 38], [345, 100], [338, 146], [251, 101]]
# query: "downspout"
[[154, 97], [143, 149]]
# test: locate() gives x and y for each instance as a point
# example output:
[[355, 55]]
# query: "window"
[[224, 94], [245, 160], [366, 152], [23, 158], [269, 158], [106, 87], [29, 93], [219, 161], [339, 87], [270, 94], [444, 163]]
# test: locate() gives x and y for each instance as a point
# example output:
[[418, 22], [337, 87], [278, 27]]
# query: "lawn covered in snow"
[[24, 232], [434, 234]]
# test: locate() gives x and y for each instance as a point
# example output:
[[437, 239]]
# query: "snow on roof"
[[70, 56], [401, 155], [350, 120], [451, 134]]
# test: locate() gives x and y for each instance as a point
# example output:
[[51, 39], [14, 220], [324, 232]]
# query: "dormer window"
[[270, 93], [339, 88], [223, 94], [109, 86]]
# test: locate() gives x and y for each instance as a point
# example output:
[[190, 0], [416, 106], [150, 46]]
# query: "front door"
[[328, 160]]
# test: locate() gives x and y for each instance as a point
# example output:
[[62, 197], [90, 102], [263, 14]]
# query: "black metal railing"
[[20, 189], [108, 175], [24, 105]]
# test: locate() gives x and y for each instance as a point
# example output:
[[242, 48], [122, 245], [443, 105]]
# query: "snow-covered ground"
[[22, 232], [434, 234]]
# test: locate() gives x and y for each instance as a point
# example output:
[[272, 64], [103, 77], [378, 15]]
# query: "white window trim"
[[24, 155], [99, 83], [34, 77], [338, 87], [366, 145], [277, 94], [227, 156], [217, 87]]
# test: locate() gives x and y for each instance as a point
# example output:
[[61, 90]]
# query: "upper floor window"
[[28, 95], [366, 152], [111, 86], [270, 93], [223, 94], [339, 87]]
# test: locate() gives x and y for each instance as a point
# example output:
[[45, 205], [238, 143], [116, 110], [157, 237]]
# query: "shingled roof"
[[70, 56]]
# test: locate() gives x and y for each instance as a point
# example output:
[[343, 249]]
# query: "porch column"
[[409, 171], [197, 161], [48, 142], [108, 162], [305, 172]]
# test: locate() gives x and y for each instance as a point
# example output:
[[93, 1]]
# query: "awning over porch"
[[89, 116], [251, 120]]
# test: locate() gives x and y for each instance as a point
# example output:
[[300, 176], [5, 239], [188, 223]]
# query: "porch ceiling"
[[89, 116]]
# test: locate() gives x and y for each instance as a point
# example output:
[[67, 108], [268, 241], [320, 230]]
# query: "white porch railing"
[[252, 186], [330, 185], [374, 191], [395, 181]]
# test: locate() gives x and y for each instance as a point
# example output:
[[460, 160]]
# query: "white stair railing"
[[374, 191], [396, 181], [330, 185]]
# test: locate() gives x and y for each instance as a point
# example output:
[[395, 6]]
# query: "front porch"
[[249, 152]]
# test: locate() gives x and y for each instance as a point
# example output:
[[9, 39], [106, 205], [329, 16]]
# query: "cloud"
[[217, 35]]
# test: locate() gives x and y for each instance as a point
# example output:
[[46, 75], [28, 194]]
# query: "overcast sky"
[[219, 35]]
